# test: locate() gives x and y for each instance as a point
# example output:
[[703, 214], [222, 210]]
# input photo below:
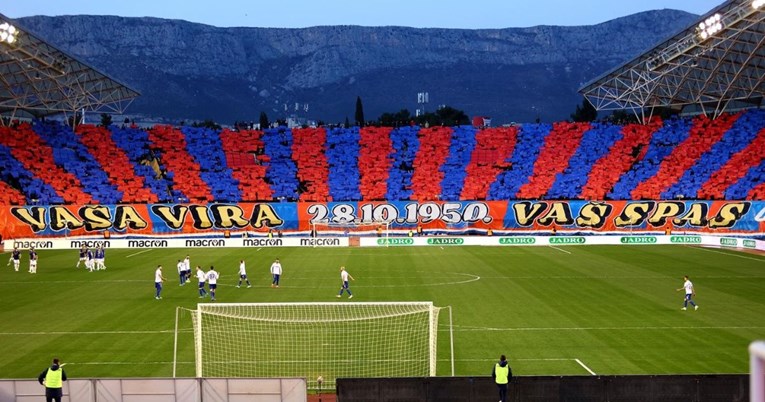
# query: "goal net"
[[312, 340], [351, 228]]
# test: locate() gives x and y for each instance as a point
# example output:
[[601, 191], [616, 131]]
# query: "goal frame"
[[757, 371], [329, 224], [433, 326]]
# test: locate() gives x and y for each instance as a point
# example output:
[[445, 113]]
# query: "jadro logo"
[[750, 244], [686, 239], [446, 241], [395, 242], [567, 240], [728, 242], [517, 240], [638, 240]]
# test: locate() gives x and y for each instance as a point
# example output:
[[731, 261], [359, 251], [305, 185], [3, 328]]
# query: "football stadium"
[[606, 260]]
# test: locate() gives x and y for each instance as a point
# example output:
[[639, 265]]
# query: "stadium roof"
[[715, 64], [37, 79]]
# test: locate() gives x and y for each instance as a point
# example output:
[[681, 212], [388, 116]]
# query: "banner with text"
[[714, 217]]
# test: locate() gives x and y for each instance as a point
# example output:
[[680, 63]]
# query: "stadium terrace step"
[[490, 156], [375, 150]]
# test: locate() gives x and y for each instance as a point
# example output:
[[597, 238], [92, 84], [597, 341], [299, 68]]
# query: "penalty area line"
[[560, 249], [140, 252], [585, 367]]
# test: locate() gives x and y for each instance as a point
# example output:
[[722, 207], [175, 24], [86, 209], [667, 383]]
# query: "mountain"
[[194, 72]]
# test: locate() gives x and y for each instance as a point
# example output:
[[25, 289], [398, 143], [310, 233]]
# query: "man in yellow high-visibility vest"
[[502, 374], [53, 378]]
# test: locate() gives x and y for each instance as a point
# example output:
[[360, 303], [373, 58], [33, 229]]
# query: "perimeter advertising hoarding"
[[708, 217]]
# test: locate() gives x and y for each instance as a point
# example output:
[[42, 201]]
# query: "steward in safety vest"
[[502, 374], [53, 378]]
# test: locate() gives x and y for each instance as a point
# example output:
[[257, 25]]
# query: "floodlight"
[[757, 4], [8, 33], [711, 26]]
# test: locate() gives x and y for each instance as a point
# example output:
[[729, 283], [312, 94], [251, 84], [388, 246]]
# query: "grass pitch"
[[576, 310]]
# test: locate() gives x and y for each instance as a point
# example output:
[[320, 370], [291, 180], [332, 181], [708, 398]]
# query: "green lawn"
[[553, 311]]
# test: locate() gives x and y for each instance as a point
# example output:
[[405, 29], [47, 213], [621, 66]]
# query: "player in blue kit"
[[15, 258], [32, 261], [83, 256]]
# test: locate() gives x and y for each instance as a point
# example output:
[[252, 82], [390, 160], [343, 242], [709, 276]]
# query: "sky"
[[467, 14]]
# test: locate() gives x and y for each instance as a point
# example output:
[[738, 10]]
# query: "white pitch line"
[[169, 331], [140, 252], [585, 367], [730, 254], [647, 328], [560, 249]]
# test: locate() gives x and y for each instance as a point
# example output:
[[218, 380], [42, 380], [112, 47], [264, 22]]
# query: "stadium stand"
[[245, 158], [309, 153], [282, 172], [460, 151], [375, 150], [680, 158], [343, 156], [555, 157], [37, 157], [493, 148], [206, 148], [172, 148], [622, 155], [115, 164], [73, 156], [432, 153]]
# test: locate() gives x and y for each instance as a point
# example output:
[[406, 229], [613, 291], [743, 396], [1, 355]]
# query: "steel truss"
[[723, 71]]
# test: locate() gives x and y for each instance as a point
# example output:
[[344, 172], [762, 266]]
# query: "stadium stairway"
[[204, 145], [554, 158], [171, 143], [529, 142], [427, 176], [622, 155], [342, 154], [493, 148], [136, 145], [663, 141], [375, 159], [405, 146], [37, 157], [595, 144], [461, 148], [14, 175], [115, 164], [281, 172], [245, 157], [308, 152]]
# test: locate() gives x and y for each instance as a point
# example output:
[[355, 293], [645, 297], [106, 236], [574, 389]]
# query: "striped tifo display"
[[316, 340]]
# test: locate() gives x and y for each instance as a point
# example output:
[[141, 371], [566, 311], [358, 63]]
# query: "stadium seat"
[[405, 147], [530, 139], [342, 156], [309, 154], [282, 172], [431, 155], [461, 146], [244, 155], [204, 146], [375, 160], [182, 168]]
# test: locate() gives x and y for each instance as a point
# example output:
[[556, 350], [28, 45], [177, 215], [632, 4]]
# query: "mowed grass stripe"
[[612, 307]]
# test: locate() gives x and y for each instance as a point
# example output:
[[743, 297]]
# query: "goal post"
[[312, 340], [757, 371], [350, 228]]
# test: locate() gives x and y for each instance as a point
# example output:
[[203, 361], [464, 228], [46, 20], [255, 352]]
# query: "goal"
[[312, 340], [351, 228]]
